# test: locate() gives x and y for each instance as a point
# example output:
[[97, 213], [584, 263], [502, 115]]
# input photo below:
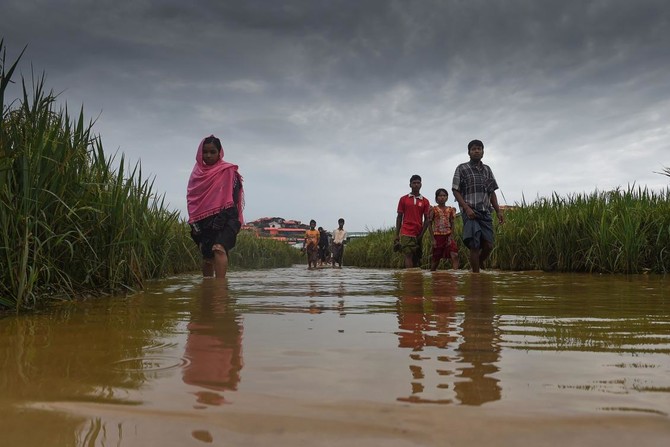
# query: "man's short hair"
[[475, 143], [415, 177]]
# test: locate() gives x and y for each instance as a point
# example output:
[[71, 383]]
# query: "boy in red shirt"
[[411, 223]]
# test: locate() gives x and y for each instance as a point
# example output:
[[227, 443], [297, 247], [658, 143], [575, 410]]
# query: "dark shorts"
[[444, 246], [210, 240], [226, 238], [409, 245], [477, 229]]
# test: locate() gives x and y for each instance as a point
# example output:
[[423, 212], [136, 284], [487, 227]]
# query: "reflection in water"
[[424, 323], [339, 293], [427, 323], [480, 346], [123, 371], [91, 434], [443, 302], [214, 344], [411, 318], [203, 436]]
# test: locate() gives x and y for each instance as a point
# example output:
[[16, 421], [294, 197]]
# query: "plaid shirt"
[[475, 182]]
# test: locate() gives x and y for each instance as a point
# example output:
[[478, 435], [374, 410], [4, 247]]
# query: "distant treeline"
[[619, 231], [75, 222]]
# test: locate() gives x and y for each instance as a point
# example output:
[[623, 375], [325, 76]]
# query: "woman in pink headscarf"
[[215, 200]]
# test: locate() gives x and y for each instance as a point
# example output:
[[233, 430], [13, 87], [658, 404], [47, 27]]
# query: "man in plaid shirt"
[[474, 188]]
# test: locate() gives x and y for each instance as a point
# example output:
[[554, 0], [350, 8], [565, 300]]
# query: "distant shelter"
[[278, 228]]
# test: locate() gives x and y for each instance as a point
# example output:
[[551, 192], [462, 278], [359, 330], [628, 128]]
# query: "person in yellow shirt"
[[312, 245]]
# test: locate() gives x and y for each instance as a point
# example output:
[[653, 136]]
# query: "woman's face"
[[210, 154]]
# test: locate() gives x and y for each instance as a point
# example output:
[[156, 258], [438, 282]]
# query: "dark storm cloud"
[[382, 38], [351, 50]]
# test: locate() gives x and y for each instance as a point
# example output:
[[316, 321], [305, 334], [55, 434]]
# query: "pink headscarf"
[[210, 188]]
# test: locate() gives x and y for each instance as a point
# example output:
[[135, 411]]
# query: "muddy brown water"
[[346, 357]]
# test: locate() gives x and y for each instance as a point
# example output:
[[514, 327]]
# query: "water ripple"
[[150, 364]]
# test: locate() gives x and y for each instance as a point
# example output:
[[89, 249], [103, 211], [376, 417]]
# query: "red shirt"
[[414, 210]]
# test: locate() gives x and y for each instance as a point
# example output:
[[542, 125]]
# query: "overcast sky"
[[329, 107]]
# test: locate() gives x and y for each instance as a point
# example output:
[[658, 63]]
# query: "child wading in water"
[[441, 218]]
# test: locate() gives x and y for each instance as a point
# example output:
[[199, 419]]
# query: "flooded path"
[[357, 356]]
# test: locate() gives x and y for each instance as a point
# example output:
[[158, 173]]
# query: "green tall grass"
[[619, 231], [74, 221], [375, 250], [252, 252]]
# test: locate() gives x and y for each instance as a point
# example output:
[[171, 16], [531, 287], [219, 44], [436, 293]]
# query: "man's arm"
[[499, 213], [426, 222], [398, 224], [464, 205]]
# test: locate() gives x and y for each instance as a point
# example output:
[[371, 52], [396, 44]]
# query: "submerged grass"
[[75, 222], [618, 231]]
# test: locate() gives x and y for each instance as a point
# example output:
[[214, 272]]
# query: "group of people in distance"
[[318, 245], [215, 201], [474, 187]]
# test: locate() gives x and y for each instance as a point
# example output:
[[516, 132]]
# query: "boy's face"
[[312, 224], [210, 154], [340, 223], [476, 152], [416, 186], [441, 198]]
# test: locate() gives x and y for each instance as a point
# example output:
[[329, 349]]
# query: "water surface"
[[364, 356]]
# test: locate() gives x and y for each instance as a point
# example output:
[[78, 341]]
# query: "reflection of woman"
[[214, 344], [480, 347]]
